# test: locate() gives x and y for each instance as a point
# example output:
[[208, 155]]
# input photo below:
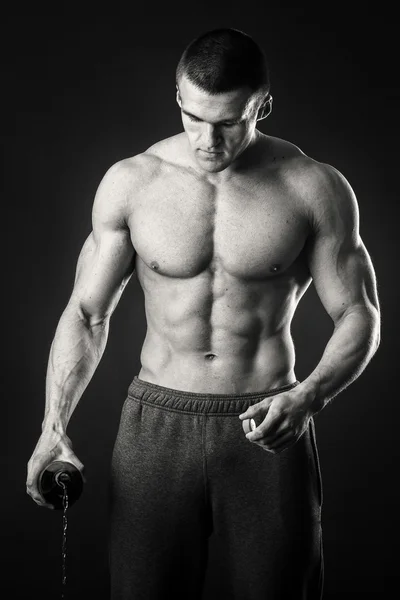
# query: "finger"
[[256, 409], [268, 426], [40, 501], [273, 434], [44, 504], [33, 490], [272, 440], [81, 468], [280, 444], [273, 423]]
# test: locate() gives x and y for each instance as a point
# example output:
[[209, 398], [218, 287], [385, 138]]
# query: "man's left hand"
[[281, 420]]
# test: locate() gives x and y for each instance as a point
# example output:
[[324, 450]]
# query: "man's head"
[[223, 86]]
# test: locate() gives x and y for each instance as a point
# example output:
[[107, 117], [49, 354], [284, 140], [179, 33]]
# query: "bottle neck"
[[62, 478]]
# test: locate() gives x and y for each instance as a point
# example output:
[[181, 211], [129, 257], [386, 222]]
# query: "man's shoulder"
[[320, 187], [280, 149], [304, 173], [293, 162], [133, 169], [167, 148], [147, 165], [115, 193]]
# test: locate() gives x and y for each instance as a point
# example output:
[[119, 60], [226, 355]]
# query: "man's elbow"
[[372, 323], [90, 316], [367, 320], [374, 320], [377, 330]]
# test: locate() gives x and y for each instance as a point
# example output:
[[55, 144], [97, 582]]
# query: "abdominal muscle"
[[236, 343]]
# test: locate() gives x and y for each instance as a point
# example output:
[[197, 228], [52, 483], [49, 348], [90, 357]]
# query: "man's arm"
[[345, 281], [105, 265]]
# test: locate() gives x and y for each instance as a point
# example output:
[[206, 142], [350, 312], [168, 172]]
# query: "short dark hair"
[[223, 60]]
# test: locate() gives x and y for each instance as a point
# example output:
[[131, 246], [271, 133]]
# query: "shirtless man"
[[225, 228]]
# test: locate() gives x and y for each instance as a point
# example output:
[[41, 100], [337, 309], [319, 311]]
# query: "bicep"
[[339, 263], [343, 276], [106, 261], [105, 265]]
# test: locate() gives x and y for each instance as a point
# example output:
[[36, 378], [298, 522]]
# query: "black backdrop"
[[81, 92]]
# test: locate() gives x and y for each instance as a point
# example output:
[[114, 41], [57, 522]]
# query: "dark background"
[[83, 91]]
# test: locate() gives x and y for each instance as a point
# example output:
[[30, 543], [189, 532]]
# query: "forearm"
[[76, 351], [353, 343]]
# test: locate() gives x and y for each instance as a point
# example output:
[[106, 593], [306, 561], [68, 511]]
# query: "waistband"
[[198, 403]]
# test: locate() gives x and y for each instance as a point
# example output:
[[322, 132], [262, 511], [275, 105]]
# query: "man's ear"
[[178, 97], [265, 109]]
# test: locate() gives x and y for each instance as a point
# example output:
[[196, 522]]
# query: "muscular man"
[[225, 228]]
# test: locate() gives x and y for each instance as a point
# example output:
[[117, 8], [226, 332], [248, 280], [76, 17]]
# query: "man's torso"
[[222, 266]]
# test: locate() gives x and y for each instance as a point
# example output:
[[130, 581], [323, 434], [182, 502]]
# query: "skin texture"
[[225, 228]]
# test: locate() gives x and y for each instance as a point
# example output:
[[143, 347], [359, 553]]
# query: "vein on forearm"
[[76, 351], [352, 345]]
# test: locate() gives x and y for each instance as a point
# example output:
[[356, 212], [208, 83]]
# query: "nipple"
[[154, 265], [275, 268]]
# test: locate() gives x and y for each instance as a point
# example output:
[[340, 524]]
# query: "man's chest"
[[250, 231]]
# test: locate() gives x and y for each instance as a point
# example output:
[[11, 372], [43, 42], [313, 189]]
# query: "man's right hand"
[[51, 446]]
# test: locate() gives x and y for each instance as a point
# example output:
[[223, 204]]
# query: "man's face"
[[219, 127]]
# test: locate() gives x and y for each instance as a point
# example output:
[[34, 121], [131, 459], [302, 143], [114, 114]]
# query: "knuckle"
[[274, 411]]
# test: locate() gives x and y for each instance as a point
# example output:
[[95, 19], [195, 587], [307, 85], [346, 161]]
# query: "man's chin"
[[213, 166]]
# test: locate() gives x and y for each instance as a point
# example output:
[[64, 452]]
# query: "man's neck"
[[241, 163]]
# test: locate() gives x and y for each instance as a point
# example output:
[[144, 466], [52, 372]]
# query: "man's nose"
[[212, 136]]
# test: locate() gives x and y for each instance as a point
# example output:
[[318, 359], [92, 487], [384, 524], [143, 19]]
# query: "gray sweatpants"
[[182, 470]]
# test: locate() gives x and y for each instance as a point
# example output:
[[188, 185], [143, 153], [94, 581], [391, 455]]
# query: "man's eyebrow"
[[189, 114], [231, 119]]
